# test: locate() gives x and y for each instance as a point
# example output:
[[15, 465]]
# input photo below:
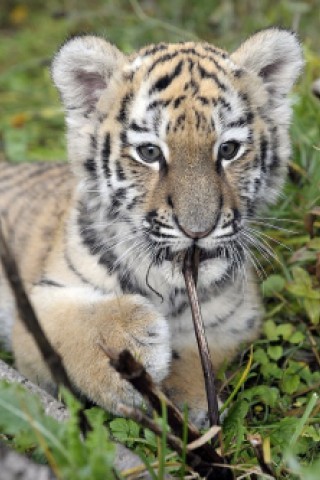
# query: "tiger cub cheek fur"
[[175, 145]]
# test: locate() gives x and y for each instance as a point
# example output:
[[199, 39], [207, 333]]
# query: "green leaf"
[[296, 337], [290, 383], [265, 394], [285, 330], [311, 432], [272, 285], [301, 277], [260, 356], [275, 352], [270, 330], [313, 309], [233, 425], [124, 430], [300, 290], [271, 370]]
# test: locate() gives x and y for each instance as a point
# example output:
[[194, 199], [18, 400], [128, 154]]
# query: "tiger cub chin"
[[174, 146]]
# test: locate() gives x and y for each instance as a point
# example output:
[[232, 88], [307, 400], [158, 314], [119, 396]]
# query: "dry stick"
[[190, 272], [31, 322], [134, 372]]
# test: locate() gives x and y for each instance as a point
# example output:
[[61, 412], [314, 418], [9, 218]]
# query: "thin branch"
[[265, 464], [134, 372], [190, 272]]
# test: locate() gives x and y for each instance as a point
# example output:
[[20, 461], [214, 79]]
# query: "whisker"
[[263, 234], [276, 227]]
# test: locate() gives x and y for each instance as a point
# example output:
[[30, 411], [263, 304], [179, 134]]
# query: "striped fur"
[[98, 243]]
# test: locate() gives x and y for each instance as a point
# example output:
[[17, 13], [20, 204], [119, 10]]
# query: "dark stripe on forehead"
[[212, 49], [158, 103], [177, 101], [212, 76], [191, 52], [163, 82], [163, 59], [154, 49]]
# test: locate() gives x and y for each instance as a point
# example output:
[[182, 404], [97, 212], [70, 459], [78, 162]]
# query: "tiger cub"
[[174, 146]]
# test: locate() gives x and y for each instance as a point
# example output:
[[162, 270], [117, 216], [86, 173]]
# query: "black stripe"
[[120, 172], [154, 49], [263, 153], [223, 102], [162, 59], [212, 76], [215, 51], [177, 101], [138, 128], [163, 82], [242, 121], [106, 155], [91, 168], [158, 103], [203, 100], [79, 275], [50, 283], [124, 106]]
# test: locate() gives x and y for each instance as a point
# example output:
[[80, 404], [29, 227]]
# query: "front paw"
[[148, 338]]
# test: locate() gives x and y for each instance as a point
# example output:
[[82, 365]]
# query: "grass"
[[273, 389]]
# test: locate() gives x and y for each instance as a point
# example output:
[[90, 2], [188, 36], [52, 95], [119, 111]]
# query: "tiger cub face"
[[178, 144]]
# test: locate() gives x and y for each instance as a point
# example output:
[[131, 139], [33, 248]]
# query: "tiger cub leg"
[[74, 320], [185, 383]]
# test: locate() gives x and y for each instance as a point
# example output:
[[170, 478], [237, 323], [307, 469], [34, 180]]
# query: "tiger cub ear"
[[82, 68], [273, 54]]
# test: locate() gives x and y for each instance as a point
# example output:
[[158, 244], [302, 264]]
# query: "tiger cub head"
[[183, 142]]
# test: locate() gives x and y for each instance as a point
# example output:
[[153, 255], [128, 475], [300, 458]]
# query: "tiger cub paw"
[[147, 337]]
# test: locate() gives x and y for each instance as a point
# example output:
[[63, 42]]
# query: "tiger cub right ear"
[[82, 68]]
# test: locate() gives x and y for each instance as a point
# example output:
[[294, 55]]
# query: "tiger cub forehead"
[[187, 80], [181, 97]]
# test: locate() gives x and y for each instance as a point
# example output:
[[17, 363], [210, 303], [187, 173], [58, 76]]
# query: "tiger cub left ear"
[[82, 69], [273, 54]]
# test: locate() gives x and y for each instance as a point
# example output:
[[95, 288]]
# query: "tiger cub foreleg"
[[74, 320]]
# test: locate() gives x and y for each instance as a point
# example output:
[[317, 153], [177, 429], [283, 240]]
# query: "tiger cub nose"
[[195, 235]]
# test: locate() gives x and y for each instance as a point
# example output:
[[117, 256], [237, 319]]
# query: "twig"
[[265, 463], [190, 272], [29, 318], [134, 372]]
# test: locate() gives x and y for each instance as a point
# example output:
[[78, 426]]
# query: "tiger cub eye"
[[150, 153], [228, 150]]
